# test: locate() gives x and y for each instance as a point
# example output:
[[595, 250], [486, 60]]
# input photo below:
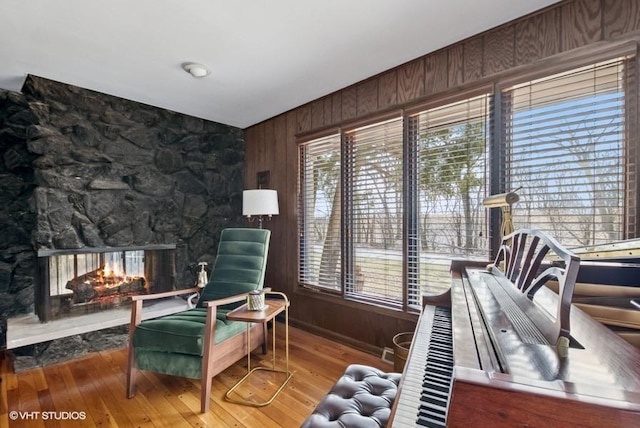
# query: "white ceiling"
[[265, 57]]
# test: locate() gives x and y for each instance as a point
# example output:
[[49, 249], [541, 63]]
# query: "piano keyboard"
[[437, 374], [425, 392]]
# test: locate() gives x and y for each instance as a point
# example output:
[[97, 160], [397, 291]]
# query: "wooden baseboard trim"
[[345, 340]]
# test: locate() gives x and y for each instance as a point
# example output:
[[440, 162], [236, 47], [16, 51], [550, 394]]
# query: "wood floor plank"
[[24, 400], [47, 405], [5, 369], [61, 401], [110, 385], [95, 384], [100, 414], [154, 399]]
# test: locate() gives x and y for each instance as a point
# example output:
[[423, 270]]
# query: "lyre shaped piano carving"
[[521, 255]]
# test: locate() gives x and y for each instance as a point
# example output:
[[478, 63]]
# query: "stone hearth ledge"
[[28, 330]]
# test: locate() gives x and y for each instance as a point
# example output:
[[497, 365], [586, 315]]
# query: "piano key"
[[428, 386], [430, 423], [431, 418], [432, 411], [435, 400]]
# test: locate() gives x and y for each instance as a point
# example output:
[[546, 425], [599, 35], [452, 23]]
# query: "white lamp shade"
[[260, 202]]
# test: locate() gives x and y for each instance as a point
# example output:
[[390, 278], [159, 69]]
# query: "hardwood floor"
[[90, 391]]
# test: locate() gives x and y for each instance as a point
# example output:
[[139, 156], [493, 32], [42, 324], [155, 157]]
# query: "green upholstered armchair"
[[199, 343]]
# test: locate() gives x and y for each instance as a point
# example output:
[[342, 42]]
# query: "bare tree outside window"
[[566, 151]]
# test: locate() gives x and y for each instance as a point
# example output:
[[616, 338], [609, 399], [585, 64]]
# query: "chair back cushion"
[[240, 263]]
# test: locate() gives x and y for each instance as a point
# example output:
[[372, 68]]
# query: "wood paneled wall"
[[566, 29]]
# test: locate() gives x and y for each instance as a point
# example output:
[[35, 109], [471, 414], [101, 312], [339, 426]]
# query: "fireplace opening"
[[84, 281]]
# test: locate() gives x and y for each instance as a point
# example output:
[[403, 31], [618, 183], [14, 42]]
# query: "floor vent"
[[387, 355]]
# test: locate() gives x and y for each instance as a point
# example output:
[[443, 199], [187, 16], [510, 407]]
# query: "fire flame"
[[113, 275]]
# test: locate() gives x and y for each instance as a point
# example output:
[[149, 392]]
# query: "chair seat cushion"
[[183, 332]]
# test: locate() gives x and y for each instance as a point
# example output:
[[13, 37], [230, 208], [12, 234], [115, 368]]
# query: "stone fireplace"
[[85, 175]]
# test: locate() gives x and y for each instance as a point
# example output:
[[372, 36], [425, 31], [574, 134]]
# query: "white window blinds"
[[452, 179], [565, 151], [374, 165], [320, 213]]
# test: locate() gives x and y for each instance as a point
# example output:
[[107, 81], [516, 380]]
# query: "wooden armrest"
[[165, 294], [225, 300], [136, 303], [230, 299]]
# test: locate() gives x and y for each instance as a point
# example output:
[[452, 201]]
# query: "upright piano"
[[505, 346]]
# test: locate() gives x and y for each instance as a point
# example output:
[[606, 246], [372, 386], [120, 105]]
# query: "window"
[[451, 182], [319, 227], [565, 151], [385, 208], [374, 212]]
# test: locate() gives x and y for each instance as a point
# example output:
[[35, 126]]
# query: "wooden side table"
[[272, 309]]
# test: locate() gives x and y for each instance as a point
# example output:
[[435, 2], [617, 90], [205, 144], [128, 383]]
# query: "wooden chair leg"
[[207, 360], [131, 373], [205, 393], [136, 318]]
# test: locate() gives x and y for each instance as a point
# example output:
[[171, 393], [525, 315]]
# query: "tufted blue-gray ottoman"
[[362, 397]]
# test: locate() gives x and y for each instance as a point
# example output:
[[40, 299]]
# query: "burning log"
[[94, 285]]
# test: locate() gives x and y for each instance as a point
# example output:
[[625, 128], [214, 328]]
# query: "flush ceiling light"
[[196, 70]]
